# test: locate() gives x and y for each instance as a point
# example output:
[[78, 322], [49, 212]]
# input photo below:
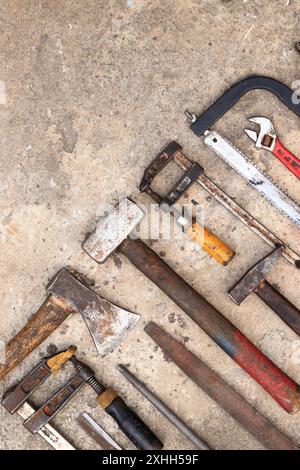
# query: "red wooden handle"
[[287, 158]]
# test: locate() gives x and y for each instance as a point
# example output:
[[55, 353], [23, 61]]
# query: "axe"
[[255, 281], [113, 232], [68, 294]]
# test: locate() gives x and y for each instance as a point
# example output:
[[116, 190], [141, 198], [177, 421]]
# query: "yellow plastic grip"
[[211, 244]]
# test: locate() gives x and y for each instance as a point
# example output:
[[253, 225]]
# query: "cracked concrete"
[[94, 90]]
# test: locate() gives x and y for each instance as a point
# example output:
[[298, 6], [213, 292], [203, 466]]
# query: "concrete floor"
[[94, 90]]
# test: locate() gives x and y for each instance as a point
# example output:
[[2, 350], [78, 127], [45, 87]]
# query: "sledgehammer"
[[112, 232]]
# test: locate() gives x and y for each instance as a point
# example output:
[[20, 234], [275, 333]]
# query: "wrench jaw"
[[266, 138]]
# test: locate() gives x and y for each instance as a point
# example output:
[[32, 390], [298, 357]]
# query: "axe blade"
[[251, 280], [107, 323]]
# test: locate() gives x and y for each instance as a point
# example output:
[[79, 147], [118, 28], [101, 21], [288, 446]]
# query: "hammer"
[[112, 233], [68, 294], [254, 281]]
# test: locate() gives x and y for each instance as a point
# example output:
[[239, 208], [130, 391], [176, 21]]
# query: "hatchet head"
[[112, 230], [251, 280], [107, 323]]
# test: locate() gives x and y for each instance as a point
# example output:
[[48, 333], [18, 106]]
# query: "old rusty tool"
[[253, 175], [209, 242], [128, 421], [219, 391], [205, 121], [244, 216], [255, 281], [16, 399], [20, 393], [96, 432], [267, 139], [235, 158], [47, 432], [163, 408], [68, 294], [111, 233]]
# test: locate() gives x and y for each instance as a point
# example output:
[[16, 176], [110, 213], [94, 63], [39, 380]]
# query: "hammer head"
[[112, 230], [251, 280], [107, 323]]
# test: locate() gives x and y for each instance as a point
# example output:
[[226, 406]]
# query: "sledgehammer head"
[[251, 280], [112, 230]]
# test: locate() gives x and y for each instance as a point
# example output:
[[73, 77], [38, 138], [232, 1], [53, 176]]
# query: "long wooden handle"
[[49, 316], [210, 243], [280, 305], [227, 336]]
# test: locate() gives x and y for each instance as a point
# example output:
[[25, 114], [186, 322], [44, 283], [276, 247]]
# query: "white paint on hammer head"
[[112, 230]]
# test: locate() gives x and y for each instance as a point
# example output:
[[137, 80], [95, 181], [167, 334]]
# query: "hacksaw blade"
[[255, 177]]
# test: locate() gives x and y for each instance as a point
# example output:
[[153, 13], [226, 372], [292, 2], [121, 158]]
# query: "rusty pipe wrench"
[[267, 139], [208, 241], [255, 281], [69, 293], [114, 232]]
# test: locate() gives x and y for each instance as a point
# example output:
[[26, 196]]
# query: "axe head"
[[107, 323], [251, 280], [112, 230]]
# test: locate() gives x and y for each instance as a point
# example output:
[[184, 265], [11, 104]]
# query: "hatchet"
[[114, 232], [68, 294], [255, 281]]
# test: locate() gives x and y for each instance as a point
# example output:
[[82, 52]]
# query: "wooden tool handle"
[[280, 305], [211, 244], [49, 316]]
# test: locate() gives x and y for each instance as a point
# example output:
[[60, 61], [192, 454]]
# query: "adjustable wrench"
[[267, 139]]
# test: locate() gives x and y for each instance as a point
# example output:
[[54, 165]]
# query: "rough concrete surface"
[[94, 90]]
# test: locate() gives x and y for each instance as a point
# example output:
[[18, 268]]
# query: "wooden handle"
[[211, 244], [49, 316], [280, 305]]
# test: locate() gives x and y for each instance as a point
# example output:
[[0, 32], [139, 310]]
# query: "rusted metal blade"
[[249, 282], [107, 323], [94, 430], [219, 391]]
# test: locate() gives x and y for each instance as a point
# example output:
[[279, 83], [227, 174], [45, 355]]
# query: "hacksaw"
[[254, 177]]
